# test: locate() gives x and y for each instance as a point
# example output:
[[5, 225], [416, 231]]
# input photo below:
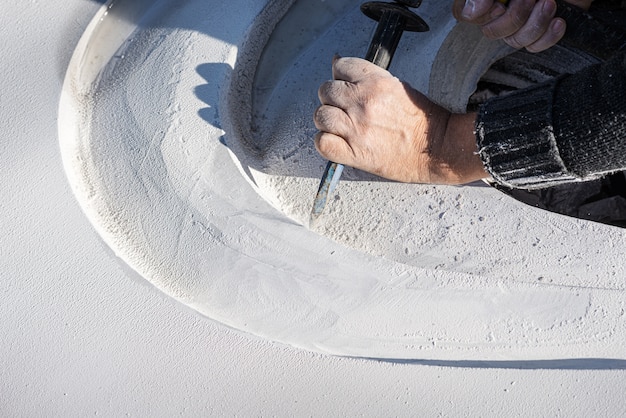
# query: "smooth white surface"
[[81, 337], [392, 271]]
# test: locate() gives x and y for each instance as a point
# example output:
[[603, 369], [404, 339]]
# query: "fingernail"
[[549, 7], [468, 9], [558, 26]]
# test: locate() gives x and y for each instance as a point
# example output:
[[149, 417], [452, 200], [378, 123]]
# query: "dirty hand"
[[372, 121], [526, 24]]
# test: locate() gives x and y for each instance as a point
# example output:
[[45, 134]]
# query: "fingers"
[[526, 24], [333, 148], [556, 31], [540, 31], [516, 15], [337, 93], [535, 27], [477, 11], [354, 70], [339, 98], [333, 120], [343, 91]]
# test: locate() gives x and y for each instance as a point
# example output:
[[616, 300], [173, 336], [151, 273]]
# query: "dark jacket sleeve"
[[572, 128]]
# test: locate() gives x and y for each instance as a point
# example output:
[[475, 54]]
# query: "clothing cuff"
[[516, 139]]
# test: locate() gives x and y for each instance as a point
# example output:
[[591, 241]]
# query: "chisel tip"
[[329, 182]]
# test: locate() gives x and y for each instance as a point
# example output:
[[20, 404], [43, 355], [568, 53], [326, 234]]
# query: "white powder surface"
[[186, 133]]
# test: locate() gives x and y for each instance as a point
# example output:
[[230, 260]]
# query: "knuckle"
[[490, 32], [514, 42], [517, 20], [326, 91], [322, 118], [325, 145], [330, 119], [318, 114]]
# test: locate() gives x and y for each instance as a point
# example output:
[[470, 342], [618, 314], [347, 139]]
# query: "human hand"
[[372, 121], [529, 24]]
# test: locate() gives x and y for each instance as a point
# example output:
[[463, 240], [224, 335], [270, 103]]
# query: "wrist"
[[459, 151]]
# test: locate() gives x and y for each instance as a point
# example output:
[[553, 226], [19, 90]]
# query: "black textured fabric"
[[572, 128], [589, 118], [516, 140], [596, 31]]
